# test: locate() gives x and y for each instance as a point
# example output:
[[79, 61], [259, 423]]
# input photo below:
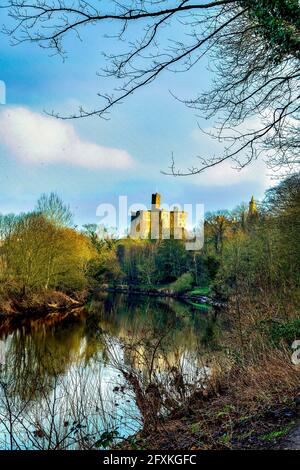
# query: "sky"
[[94, 161]]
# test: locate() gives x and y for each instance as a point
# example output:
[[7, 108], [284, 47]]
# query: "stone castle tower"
[[155, 201], [157, 223], [252, 207]]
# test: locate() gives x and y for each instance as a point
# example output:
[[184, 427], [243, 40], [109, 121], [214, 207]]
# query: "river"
[[64, 379]]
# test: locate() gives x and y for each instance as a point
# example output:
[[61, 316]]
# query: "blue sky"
[[93, 161]]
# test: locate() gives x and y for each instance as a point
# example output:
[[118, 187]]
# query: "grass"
[[195, 428], [225, 439], [278, 331], [226, 410], [200, 291], [277, 434]]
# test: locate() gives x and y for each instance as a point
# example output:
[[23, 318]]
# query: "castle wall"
[[140, 225]]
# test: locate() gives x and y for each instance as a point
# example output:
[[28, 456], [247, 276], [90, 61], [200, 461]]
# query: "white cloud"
[[227, 173], [35, 138]]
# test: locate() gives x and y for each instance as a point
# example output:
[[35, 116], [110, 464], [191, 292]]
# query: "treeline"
[[40, 250], [149, 263], [260, 254], [243, 251]]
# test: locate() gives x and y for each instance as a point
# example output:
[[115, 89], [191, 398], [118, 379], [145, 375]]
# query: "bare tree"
[[253, 47], [54, 209]]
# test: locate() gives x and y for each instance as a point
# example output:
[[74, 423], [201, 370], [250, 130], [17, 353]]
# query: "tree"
[[7, 225], [53, 208], [104, 267], [147, 270], [285, 198], [253, 47], [217, 226], [40, 255], [172, 260], [133, 256], [25, 252], [283, 209], [262, 259]]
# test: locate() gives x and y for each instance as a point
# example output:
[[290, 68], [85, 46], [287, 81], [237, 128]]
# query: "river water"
[[64, 378]]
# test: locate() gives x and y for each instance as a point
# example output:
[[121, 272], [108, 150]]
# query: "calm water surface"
[[62, 382]]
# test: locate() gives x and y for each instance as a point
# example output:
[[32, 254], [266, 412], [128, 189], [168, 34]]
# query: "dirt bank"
[[40, 304]]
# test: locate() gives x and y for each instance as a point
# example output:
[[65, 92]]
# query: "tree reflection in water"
[[113, 368]]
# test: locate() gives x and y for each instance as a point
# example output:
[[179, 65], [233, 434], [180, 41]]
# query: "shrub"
[[183, 283], [278, 331]]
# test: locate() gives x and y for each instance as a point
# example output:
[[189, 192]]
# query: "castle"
[[158, 223]]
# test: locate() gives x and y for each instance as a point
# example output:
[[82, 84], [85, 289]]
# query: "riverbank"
[[221, 420], [250, 399], [40, 304], [195, 297], [51, 301], [221, 427]]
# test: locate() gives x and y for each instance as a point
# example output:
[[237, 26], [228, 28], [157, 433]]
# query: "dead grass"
[[243, 410], [249, 401], [267, 382]]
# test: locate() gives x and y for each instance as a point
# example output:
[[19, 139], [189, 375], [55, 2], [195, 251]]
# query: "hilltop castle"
[[158, 223]]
